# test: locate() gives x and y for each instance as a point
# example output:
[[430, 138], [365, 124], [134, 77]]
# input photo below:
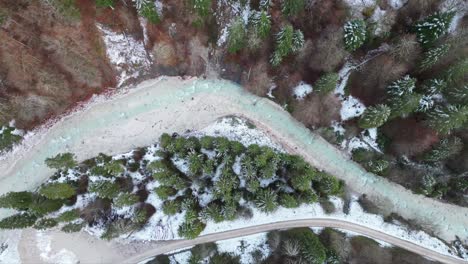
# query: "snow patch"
[[245, 246], [351, 107], [44, 244], [397, 4], [126, 53], [302, 90]]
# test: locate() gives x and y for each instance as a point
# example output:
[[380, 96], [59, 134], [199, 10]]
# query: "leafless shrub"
[[407, 49], [318, 111], [327, 51], [33, 107], [257, 80]]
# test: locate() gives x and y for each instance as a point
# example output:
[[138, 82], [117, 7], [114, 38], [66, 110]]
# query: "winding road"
[[318, 222], [137, 117]]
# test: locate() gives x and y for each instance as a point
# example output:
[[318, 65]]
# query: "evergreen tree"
[[434, 86], [292, 7], [261, 23], [104, 189], [433, 55], [72, 227], [164, 192], [354, 34], [328, 185], [288, 41], [16, 200], [301, 182], [445, 149], [289, 200], [213, 212], [42, 206], [196, 162], [147, 9], [45, 223], [432, 27], [326, 83], [458, 94], [125, 199], [207, 142], [266, 200], [202, 7], [18, 221], [8, 138], [105, 3], [165, 141], [191, 230], [401, 87], [69, 216], [57, 191], [236, 35], [428, 183], [378, 167], [457, 73], [405, 105], [172, 207], [375, 116], [444, 119], [312, 250], [61, 161]]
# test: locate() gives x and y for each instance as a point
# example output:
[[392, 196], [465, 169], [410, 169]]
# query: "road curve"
[[318, 222]]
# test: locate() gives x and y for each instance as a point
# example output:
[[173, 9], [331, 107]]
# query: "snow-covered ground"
[[127, 54], [302, 90]]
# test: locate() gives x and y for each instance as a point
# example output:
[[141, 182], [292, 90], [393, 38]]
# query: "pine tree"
[[237, 36], [377, 166], [326, 83], [16, 200], [172, 207], [213, 212], [456, 74], [105, 3], [288, 41], [104, 189], [164, 192], [326, 184], [433, 27], [8, 138], [191, 230], [202, 7], [57, 191], [374, 116], [444, 119], [401, 87], [434, 86], [445, 149], [266, 200], [69, 216], [261, 23], [292, 7], [42, 206], [428, 183], [354, 34], [433, 55], [458, 94], [61, 161], [45, 223], [289, 200], [147, 9], [125, 199], [18, 221], [405, 105]]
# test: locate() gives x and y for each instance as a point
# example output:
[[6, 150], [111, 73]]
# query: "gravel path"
[[137, 117]]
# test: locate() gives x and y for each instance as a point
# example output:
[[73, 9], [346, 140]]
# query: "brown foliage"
[[327, 51], [318, 111], [409, 137], [368, 84], [257, 80]]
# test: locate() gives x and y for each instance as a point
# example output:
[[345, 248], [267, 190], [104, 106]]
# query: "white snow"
[[367, 139], [9, 240], [64, 256], [237, 129], [397, 4], [270, 91], [128, 55], [302, 90], [245, 246], [351, 107], [181, 257]]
